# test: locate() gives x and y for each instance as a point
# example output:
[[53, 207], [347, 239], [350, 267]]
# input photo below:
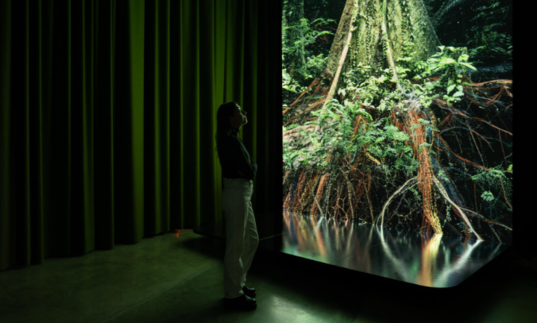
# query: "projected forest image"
[[399, 113]]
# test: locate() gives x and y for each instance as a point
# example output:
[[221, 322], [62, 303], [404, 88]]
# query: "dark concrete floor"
[[180, 279]]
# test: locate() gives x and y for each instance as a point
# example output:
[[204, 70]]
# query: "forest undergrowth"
[[435, 156]]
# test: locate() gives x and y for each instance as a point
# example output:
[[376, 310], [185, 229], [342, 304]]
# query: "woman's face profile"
[[239, 118]]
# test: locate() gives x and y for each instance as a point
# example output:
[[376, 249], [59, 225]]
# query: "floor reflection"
[[400, 254], [394, 253]]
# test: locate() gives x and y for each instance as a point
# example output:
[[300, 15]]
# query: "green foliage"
[[309, 31], [350, 79], [290, 84], [453, 62], [494, 174], [453, 65], [376, 91], [289, 157], [442, 175], [480, 25], [291, 126], [416, 193], [494, 180], [416, 69], [487, 196], [488, 42], [298, 73], [383, 141]]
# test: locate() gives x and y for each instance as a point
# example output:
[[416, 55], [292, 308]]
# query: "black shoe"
[[250, 292], [242, 302]]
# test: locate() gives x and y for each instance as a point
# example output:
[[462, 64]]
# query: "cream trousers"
[[241, 233]]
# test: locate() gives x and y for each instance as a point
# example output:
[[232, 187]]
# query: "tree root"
[[444, 194], [402, 189]]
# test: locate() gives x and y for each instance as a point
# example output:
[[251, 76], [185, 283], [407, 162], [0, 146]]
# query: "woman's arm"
[[240, 173]]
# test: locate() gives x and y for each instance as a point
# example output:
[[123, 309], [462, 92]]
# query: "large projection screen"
[[399, 114]]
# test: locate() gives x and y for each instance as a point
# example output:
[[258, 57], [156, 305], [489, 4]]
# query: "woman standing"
[[241, 233]]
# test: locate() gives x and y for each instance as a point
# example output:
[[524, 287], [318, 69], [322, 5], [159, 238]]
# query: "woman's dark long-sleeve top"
[[234, 158]]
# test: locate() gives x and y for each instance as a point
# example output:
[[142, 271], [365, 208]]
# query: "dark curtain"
[[108, 118]]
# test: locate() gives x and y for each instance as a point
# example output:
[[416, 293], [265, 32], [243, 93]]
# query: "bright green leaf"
[[469, 66]]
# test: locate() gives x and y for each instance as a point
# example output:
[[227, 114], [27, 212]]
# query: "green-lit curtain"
[[108, 118]]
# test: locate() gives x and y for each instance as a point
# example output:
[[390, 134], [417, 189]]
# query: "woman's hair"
[[223, 128]]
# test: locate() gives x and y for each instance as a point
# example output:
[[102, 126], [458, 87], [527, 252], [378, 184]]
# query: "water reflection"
[[401, 254]]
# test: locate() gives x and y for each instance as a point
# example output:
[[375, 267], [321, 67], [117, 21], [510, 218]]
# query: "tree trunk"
[[323, 82], [360, 28]]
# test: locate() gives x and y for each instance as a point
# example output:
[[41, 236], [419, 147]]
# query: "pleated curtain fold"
[[108, 117]]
